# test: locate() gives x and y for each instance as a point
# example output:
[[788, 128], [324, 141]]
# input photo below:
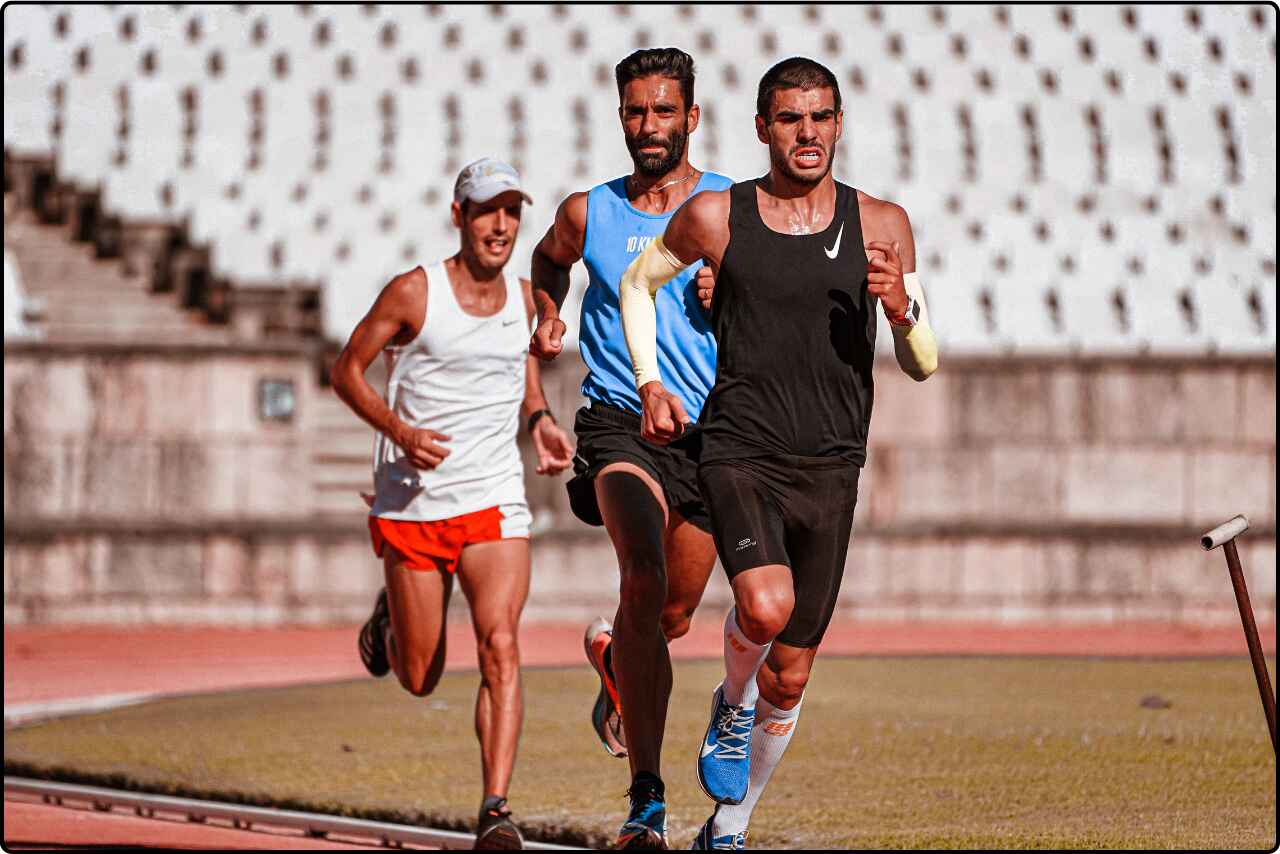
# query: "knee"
[[643, 585], [762, 614], [675, 620], [418, 678], [499, 656]]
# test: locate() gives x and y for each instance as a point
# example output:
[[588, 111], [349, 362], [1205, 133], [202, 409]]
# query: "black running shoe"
[[496, 831], [646, 827], [373, 647]]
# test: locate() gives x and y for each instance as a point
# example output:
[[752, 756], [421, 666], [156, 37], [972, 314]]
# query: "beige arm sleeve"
[[640, 284], [915, 347]]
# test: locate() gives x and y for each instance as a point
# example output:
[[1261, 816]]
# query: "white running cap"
[[481, 180]]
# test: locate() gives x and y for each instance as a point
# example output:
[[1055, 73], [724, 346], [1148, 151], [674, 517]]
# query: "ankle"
[[495, 804], [648, 781]]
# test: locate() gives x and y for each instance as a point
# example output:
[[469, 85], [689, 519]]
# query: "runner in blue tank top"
[[646, 495]]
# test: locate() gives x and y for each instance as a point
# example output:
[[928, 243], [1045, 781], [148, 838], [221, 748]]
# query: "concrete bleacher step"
[[338, 502], [87, 299], [349, 473], [341, 450], [344, 445]]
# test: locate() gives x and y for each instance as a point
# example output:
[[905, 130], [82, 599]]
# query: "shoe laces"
[[733, 731], [737, 842], [727, 842]]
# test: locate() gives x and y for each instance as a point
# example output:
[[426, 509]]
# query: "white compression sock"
[[742, 658], [769, 739]]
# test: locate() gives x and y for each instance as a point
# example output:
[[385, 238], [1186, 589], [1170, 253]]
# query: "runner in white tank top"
[[449, 485], [462, 376]]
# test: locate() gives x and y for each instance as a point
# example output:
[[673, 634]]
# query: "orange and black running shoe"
[[606, 715], [496, 831], [372, 645]]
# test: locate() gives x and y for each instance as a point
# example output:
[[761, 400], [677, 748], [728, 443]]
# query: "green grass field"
[[889, 753]]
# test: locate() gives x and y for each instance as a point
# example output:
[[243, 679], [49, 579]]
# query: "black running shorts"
[[607, 434], [794, 511]]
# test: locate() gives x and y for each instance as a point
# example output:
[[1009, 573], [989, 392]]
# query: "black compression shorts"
[[794, 511], [607, 434]]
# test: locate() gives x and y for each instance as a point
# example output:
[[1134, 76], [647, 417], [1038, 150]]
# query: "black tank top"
[[796, 331]]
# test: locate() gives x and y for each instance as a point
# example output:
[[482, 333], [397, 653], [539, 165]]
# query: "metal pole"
[[1251, 636]]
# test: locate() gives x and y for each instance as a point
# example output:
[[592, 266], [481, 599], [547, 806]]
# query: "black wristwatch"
[[533, 419]]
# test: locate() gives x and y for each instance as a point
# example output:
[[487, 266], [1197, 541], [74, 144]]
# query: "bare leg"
[[494, 577], [691, 555], [784, 674], [417, 600], [781, 680], [635, 515]]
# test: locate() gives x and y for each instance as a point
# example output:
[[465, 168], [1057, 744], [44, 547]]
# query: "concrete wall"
[[140, 485], [98, 432]]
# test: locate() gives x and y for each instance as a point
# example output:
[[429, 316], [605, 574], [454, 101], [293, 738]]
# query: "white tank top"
[[463, 376]]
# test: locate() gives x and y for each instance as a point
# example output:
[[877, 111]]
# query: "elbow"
[[340, 374], [537, 263]]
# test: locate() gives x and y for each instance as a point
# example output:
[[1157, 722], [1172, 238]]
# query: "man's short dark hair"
[[798, 72], [669, 62]]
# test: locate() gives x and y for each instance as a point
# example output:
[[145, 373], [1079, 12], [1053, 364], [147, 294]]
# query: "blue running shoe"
[[724, 761], [704, 841], [646, 828]]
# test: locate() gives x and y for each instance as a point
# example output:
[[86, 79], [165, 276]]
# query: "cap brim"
[[484, 197]]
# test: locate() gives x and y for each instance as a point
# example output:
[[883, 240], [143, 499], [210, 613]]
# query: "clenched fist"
[[884, 278], [664, 418], [421, 446], [547, 340], [705, 281]]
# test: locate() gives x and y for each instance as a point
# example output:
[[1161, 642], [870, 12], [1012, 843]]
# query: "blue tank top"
[[616, 234]]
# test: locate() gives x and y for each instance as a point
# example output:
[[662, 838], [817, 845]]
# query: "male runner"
[[784, 430], [448, 477], [645, 495]]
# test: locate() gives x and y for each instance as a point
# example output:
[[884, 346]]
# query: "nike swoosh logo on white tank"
[[835, 250]]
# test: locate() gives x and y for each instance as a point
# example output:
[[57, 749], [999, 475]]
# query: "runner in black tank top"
[[784, 430], [796, 332], [800, 263]]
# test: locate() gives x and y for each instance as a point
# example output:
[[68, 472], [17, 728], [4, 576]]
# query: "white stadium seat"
[[278, 189]]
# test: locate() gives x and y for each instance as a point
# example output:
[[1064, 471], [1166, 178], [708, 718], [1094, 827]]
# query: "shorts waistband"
[[614, 415], [791, 461]]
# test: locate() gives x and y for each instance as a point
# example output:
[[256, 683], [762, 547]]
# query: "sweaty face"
[[802, 132], [489, 228], [656, 124]]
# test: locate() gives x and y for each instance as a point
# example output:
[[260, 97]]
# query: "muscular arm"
[[550, 443], [559, 249], [915, 347], [534, 399], [396, 317], [698, 231]]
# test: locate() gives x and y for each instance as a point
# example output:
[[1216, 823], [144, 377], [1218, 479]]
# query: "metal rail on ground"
[[244, 817]]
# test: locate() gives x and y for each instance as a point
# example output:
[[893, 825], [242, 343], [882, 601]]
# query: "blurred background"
[[200, 203]]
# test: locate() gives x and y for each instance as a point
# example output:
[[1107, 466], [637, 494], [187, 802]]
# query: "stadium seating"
[[1080, 178]]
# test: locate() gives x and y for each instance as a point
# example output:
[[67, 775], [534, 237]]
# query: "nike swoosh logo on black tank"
[[795, 331]]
